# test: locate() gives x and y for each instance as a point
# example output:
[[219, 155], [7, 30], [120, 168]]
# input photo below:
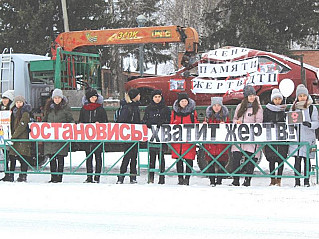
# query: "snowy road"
[[76, 210]]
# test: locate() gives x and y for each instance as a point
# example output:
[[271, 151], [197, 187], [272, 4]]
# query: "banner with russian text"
[[97, 131], [258, 132], [235, 68], [222, 86]]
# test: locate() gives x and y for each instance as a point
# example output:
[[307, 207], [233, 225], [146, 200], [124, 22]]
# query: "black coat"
[[92, 113], [271, 116], [157, 114], [130, 112]]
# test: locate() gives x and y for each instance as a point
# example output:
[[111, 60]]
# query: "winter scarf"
[[275, 108]]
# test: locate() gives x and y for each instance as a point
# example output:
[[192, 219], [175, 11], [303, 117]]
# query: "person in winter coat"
[[93, 112], [275, 113], [7, 102], [20, 119], [57, 110], [248, 111], [130, 113], [216, 113], [156, 113], [184, 113], [305, 131]]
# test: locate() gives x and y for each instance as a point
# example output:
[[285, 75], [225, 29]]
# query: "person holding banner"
[[21, 151], [130, 113], [274, 113], [305, 131], [57, 110], [216, 113], [156, 113], [248, 111], [93, 112], [184, 113]]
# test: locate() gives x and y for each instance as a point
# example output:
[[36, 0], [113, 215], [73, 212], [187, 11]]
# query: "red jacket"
[[216, 149], [184, 118]]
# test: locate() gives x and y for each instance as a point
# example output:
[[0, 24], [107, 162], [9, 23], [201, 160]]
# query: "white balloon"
[[286, 87]]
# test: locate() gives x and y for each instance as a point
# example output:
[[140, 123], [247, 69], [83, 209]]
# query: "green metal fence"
[[110, 167]]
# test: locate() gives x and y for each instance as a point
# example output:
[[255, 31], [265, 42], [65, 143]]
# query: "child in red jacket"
[[217, 113], [184, 113]]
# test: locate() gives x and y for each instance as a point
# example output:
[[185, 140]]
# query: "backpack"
[[117, 114], [310, 113]]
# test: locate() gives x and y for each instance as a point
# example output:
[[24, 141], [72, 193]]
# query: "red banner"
[[97, 131]]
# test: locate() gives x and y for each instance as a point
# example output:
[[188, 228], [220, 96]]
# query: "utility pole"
[[65, 16]]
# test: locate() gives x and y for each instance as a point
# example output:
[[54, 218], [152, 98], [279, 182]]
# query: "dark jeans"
[[130, 157], [180, 168], [57, 165], [12, 165], [249, 167], [98, 161], [153, 155], [272, 166], [215, 168], [298, 165]]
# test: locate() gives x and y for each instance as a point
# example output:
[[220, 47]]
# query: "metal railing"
[[38, 164]]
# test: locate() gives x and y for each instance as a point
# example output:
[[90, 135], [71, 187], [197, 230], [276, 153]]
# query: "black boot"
[[161, 179], [22, 178], [120, 179], [53, 179], [186, 181], [7, 178], [219, 180], [133, 180], [212, 181], [59, 178], [306, 182], [151, 178], [180, 180], [297, 182], [235, 181], [247, 181], [89, 179], [97, 178]]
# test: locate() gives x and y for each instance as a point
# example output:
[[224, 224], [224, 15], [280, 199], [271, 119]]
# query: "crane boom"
[[69, 41]]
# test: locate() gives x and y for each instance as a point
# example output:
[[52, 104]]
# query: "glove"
[[149, 125], [159, 124], [306, 123]]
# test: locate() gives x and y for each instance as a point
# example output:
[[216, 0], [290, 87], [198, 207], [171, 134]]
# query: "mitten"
[[306, 123]]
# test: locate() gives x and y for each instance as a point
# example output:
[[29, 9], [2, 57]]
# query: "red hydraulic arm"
[[69, 41]]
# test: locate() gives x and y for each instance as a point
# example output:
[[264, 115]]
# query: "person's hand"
[[159, 124], [238, 121], [306, 123], [149, 125]]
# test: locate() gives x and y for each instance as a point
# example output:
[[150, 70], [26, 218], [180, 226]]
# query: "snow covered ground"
[[73, 209]]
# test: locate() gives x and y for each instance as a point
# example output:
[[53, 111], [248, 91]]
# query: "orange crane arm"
[[69, 41]]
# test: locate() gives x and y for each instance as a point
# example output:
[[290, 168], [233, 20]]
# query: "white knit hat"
[[57, 93], [301, 89], [276, 94], [217, 100], [8, 94]]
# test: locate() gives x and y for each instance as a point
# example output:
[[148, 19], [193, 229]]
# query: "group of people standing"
[[157, 113]]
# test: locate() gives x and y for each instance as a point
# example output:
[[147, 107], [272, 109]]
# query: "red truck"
[[224, 72]]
